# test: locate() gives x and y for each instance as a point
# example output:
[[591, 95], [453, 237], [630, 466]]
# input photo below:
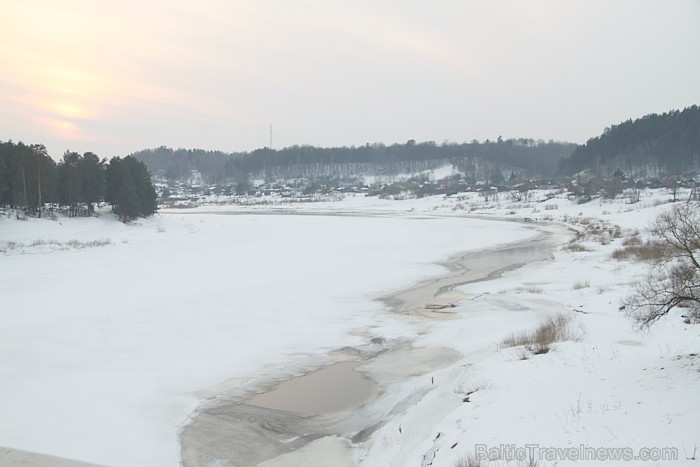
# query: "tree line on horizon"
[[525, 155], [652, 146], [32, 181], [655, 145]]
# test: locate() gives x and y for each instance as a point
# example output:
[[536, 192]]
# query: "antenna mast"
[[270, 135]]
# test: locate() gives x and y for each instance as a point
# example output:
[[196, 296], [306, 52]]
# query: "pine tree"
[[129, 189], [146, 191], [92, 180], [112, 181], [129, 206], [69, 182], [3, 179]]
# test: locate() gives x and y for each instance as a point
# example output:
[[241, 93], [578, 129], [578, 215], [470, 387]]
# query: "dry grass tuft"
[[632, 240], [531, 289], [469, 461], [555, 328], [576, 247], [649, 251], [11, 246], [472, 461]]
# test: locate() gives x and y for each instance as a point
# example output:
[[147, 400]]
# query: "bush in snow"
[[674, 279]]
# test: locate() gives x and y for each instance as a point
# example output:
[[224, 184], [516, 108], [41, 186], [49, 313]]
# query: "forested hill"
[[479, 160], [651, 146]]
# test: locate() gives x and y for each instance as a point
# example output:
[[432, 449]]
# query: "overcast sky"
[[116, 76]]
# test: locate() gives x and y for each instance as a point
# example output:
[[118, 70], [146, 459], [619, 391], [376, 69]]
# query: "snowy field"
[[112, 335], [106, 350]]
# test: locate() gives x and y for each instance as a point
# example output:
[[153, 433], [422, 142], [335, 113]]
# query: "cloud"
[[216, 73]]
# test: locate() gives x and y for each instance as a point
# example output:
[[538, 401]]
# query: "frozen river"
[[106, 352]]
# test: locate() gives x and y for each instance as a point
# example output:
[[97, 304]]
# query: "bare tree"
[[671, 183], [675, 279]]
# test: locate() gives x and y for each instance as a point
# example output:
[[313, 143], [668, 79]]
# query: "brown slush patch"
[[327, 390]]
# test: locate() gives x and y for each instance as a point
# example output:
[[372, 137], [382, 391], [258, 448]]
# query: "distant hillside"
[[485, 160], [651, 146]]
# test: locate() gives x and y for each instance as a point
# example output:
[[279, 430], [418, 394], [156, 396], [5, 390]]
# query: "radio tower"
[[271, 136]]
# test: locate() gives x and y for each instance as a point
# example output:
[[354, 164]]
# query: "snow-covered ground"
[[113, 334]]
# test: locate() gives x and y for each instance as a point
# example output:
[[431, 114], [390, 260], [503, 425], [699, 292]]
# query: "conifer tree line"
[[32, 181], [651, 146]]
